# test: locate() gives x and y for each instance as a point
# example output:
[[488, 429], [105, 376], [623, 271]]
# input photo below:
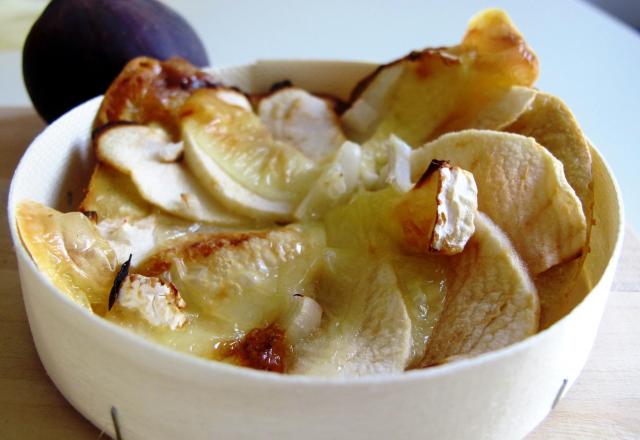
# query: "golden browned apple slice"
[[235, 157], [364, 222], [148, 156], [111, 195], [491, 301], [240, 281], [125, 219], [236, 294], [438, 214], [308, 122], [69, 251], [364, 227], [121, 216], [552, 124], [130, 224], [499, 112], [472, 85], [366, 329], [521, 187], [150, 91]]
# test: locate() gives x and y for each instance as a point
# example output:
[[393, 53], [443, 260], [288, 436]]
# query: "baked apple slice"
[[112, 195], [521, 187], [367, 329], [150, 91], [481, 83], [69, 250], [550, 122], [235, 157], [308, 122], [367, 227], [241, 281], [149, 157], [491, 301]]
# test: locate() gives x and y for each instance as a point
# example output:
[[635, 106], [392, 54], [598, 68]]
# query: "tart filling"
[[441, 213]]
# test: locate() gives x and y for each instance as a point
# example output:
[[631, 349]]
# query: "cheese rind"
[[158, 302], [438, 214]]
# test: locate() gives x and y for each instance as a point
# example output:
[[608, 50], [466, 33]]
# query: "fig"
[[77, 47]]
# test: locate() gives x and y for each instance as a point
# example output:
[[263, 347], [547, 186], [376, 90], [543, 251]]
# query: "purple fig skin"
[[76, 48]]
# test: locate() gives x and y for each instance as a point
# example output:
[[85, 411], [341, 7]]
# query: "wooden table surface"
[[604, 403]]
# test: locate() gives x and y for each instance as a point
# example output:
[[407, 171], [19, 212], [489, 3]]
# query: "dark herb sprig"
[[117, 283]]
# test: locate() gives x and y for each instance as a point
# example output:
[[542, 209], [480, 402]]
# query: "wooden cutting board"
[[604, 403]]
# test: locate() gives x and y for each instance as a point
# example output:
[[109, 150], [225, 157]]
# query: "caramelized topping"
[[263, 348], [204, 248], [197, 248]]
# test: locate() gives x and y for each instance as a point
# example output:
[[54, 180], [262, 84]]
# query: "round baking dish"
[[157, 393]]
